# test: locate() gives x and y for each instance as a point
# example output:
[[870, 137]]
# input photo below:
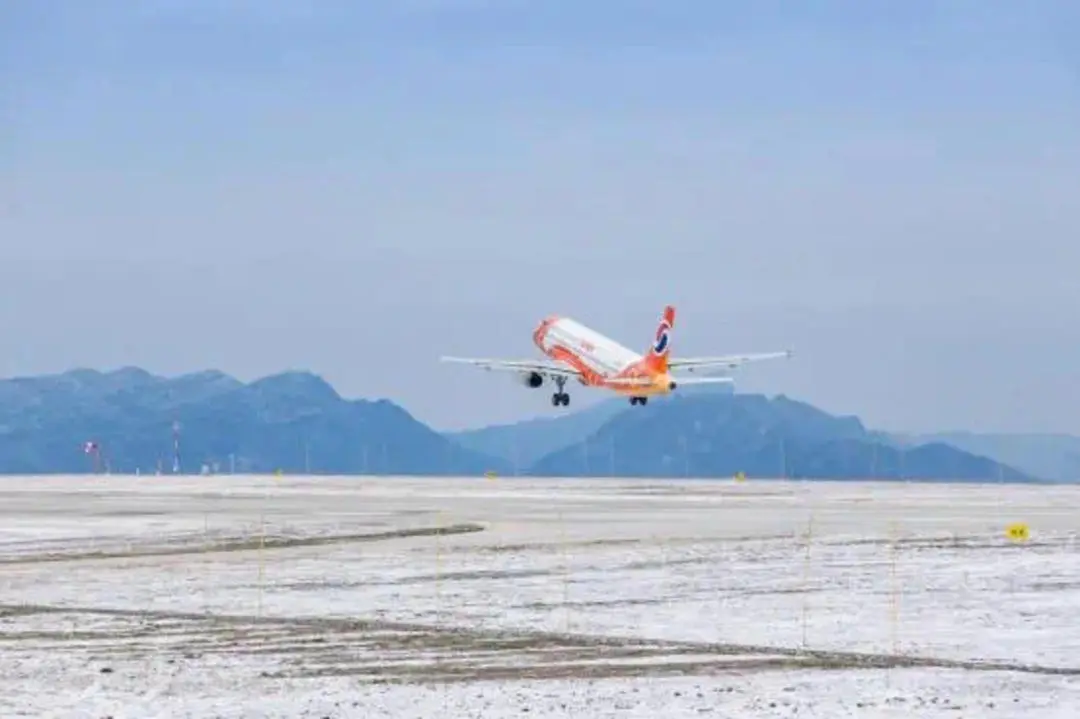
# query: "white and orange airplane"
[[579, 353]]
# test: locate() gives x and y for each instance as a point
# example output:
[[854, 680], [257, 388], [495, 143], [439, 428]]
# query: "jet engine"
[[532, 379]]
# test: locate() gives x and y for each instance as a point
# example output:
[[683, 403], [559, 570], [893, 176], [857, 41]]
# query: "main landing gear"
[[639, 400], [560, 397]]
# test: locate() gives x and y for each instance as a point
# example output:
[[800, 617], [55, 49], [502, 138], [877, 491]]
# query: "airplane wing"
[[691, 364], [540, 367]]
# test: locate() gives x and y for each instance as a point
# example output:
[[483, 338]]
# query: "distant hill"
[[292, 421], [1055, 457], [719, 436], [524, 443]]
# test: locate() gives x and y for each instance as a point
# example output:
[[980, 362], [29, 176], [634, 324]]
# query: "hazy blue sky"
[[890, 188]]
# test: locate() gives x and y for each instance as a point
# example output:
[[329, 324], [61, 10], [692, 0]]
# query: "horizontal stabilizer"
[[629, 381], [685, 381]]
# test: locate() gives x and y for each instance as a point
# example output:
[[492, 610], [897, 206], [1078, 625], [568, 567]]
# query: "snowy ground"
[[365, 597]]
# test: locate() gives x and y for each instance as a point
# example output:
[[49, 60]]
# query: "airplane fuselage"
[[600, 360]]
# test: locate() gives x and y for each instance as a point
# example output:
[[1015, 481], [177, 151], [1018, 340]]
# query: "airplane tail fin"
[[657, 359]]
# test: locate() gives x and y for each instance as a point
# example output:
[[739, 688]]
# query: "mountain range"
[[720, 435], [1048, 457], [296, 422]]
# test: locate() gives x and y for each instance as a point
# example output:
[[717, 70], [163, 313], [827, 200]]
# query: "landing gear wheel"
[[560, 397], [639, 400]]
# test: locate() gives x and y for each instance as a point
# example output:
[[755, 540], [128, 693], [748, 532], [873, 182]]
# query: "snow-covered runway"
[[371, 597]]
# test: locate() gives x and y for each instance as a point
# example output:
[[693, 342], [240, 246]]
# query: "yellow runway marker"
[[1018, 532]]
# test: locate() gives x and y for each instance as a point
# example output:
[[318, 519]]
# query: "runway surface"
[[380, 597]]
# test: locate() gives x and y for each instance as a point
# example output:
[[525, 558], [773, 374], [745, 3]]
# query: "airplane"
[[576, 352]]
